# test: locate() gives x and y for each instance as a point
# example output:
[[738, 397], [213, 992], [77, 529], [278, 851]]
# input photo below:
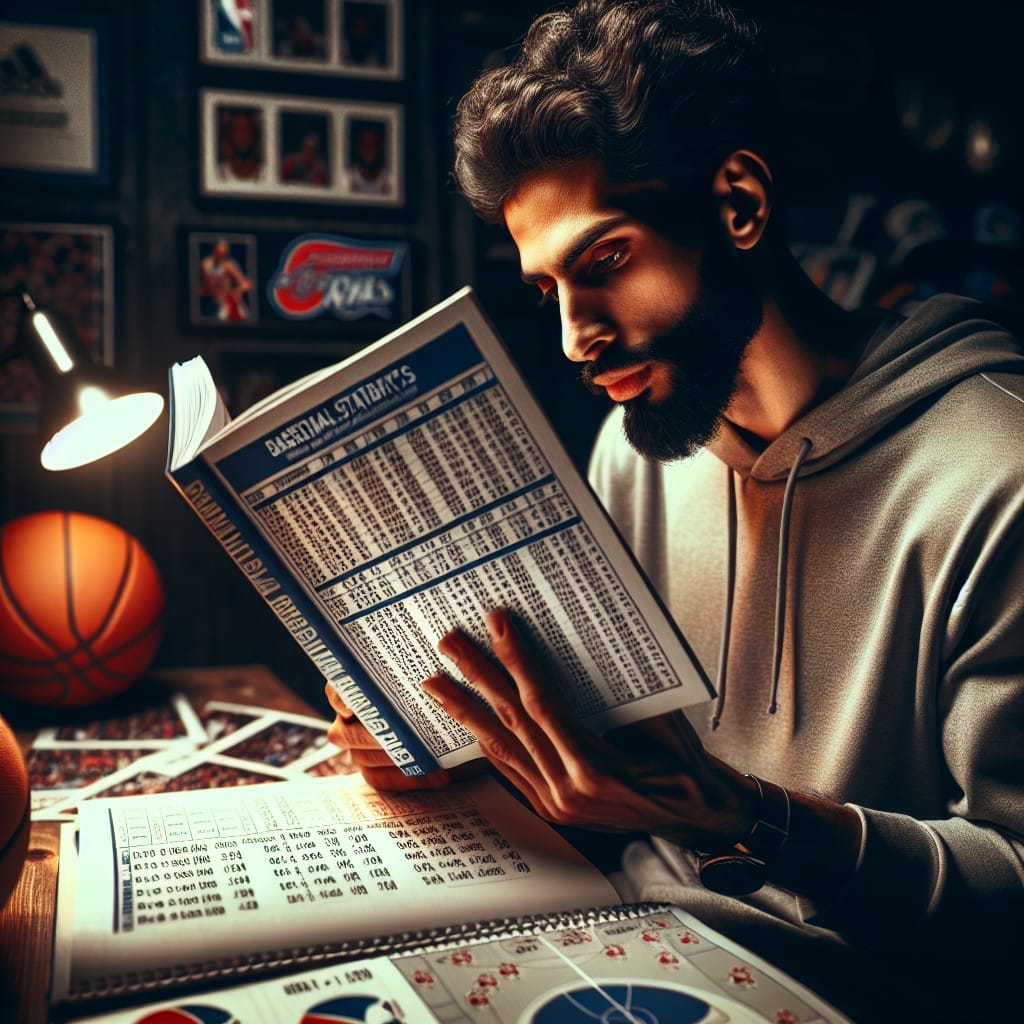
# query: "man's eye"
[[603, 264]]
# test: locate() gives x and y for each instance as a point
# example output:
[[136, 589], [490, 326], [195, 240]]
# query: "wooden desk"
[[26, 922]]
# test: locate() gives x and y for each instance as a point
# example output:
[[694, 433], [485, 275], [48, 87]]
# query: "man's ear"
[[743, 187]]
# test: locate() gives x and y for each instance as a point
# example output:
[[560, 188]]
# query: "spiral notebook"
[[326, 900], [638, 964]]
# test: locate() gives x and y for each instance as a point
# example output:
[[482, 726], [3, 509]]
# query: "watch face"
[[732, 874]]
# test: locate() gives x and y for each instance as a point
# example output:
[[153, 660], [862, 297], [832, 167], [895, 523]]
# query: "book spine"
[[305, 622]]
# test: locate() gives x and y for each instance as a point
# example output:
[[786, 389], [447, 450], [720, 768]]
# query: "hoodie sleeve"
[[958, 883]]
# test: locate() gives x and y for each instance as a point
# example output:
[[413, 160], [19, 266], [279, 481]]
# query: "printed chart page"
[[205, 875], [434, 491], [648, 964]]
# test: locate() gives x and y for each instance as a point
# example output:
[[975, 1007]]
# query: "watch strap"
[[744, 869], [771, 829]]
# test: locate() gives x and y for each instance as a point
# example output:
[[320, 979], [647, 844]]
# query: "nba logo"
[[233, 26]]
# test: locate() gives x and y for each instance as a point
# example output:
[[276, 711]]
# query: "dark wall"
[[152, 200], [907, 117]]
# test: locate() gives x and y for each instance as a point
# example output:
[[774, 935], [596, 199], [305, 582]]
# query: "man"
[[240, 144], [305, 166], [222, 282], [368, 171], [830, 503]]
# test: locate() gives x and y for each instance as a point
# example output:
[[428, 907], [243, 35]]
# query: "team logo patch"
[[327, 275]]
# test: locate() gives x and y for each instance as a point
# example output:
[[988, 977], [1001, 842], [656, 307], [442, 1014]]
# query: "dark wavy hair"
[[656, 88]]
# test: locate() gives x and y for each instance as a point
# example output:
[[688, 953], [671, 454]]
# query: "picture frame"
[[311, 286], [274, 147], [69, 270], [57, 127], [356, 38], [223, 279]]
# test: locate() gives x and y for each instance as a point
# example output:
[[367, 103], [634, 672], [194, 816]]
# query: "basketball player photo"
[[222, 279]]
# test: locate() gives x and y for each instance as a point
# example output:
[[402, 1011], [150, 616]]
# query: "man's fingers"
[[540, 701], [522, 664], [351, 735], [508, 738], [338, 706]]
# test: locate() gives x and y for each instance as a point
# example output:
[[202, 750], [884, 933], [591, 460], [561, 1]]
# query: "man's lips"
[[621, 386]]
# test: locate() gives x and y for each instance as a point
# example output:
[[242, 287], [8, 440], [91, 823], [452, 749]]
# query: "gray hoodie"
[[857, 591]]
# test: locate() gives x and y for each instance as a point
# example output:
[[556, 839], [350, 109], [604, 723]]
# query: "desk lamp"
[[88, 411]]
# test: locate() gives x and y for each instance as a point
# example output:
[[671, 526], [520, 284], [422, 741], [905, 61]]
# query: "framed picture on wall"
[[264, 146], [69, 271], [312, 286], [55, 103], [357, 38], [223, 279]]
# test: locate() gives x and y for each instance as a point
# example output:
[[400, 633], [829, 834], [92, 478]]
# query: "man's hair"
[[658, 89]]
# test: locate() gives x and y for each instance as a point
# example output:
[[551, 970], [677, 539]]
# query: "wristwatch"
[[744, 868]]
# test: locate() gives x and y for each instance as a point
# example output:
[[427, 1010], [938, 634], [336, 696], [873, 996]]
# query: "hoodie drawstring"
[[730, 588], [780, 585], [780, 575]]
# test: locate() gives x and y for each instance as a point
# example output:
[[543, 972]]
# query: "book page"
[[429, 490], [175, 879]]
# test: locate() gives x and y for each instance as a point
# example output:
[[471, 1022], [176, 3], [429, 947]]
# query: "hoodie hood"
[[909, 359]]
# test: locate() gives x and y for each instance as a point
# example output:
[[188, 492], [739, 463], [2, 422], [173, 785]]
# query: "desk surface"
[[26, 922]]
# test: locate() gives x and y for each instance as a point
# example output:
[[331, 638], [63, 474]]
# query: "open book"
[[406, 491], [323, 899]]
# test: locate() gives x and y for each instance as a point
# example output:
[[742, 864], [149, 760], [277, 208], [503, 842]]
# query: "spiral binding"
[[257, 966]]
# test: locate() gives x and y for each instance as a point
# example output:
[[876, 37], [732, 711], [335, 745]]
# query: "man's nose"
[[584, 332]]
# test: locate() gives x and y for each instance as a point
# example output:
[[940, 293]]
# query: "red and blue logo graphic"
[[352, 1010], [190, 1014], [328, 275], [233, 31]]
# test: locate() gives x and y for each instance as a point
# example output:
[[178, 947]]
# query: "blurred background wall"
[[903, 122]]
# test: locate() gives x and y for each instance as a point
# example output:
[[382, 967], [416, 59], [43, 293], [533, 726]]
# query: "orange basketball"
[[14, 811], [81, 609]]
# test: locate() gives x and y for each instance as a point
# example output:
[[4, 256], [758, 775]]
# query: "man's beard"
[[702, 351]]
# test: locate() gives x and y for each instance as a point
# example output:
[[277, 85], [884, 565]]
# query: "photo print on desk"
[[171, 747], [275, 147], [354, 38]]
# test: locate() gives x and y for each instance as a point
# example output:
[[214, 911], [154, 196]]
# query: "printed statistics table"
[[26, 922]]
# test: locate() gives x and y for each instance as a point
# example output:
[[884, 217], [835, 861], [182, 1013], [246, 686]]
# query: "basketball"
[[14, 811], [81, 609]]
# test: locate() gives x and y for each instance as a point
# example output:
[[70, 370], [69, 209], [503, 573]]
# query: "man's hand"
[[369, 758], [654, 777], [379, 771]]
